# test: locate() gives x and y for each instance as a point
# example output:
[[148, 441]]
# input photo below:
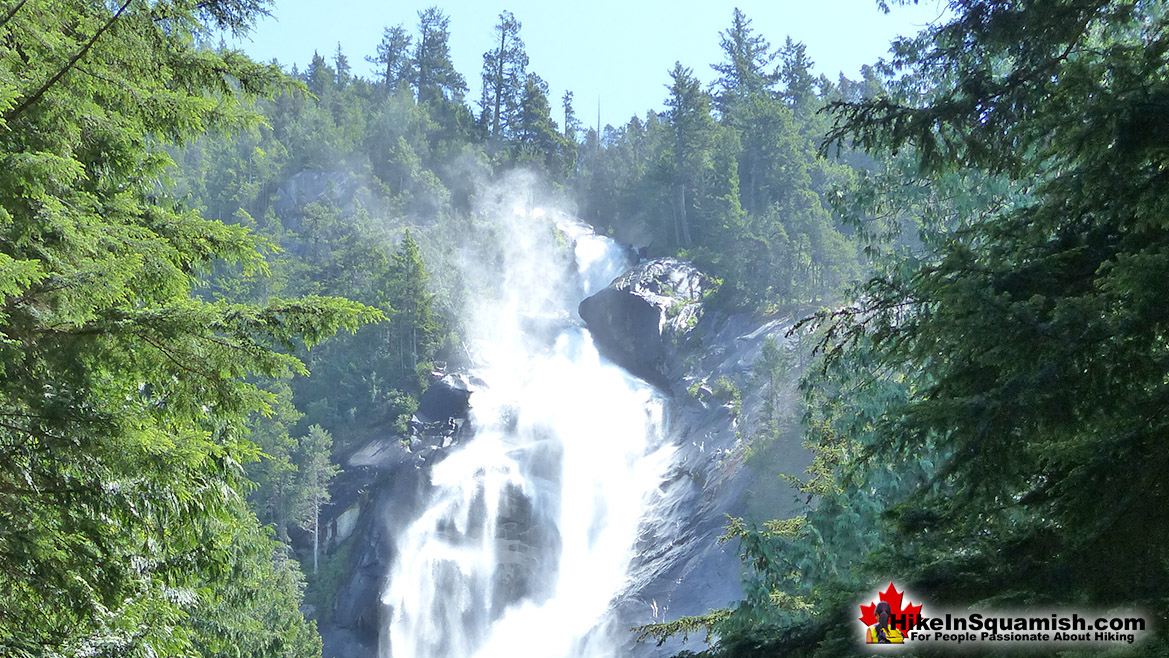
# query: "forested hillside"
[[219, 277]]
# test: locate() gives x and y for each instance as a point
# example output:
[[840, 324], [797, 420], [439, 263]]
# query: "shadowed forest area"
[[219, 277]]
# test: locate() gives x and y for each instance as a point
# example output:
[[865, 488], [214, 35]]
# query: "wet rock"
[[526, 547], [447, 399], [341, 527], [343, 643], [639, 320], [355, 627], [681, 569], [651, 321]]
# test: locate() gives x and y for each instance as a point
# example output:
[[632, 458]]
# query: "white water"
[[529, 530]]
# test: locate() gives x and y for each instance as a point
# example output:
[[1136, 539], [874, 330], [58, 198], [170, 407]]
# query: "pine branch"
[[12, 12], [36, 97]]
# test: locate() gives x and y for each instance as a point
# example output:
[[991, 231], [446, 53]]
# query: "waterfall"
[[529, 527]]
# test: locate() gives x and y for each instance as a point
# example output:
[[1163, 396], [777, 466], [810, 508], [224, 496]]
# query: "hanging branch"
[[12, 12], [28, 102]]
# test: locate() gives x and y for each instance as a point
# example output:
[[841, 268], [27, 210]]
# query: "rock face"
[[682, 569], [379, 494], [448, 398], [639, 319], [652, 321]]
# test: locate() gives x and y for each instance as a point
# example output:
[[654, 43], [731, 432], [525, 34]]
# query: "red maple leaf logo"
[[893, 598]]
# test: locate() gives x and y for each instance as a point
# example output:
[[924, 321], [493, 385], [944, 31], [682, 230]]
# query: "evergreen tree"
[[316, 471], [341, 66], [994, 431], [275, 472], [504, 77], [255, 612], [798, 80], [690, 149], [537, 136], [321, 78], [744, 74], [572, 125], [1034, 327], [435, 76], [122, 393], [393, 56], [415, 327]]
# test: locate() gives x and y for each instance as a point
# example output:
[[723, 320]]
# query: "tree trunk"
[[498, 84], [752, 185], [316, 534]]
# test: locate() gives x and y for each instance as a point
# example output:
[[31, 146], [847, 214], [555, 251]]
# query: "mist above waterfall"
[[530, 523]]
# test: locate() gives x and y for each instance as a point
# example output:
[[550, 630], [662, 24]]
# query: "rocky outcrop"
[[379, 493], [682, 569], [447, 399], [640, 319]]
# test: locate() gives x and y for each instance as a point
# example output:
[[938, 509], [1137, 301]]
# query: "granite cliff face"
[[652, 321]]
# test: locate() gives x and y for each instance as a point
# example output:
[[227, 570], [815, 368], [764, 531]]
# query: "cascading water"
[[530, 525]]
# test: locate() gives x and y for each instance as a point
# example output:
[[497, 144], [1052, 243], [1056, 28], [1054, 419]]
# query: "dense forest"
[[217, 277]]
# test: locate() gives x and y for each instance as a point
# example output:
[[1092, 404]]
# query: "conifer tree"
[[796, 73], [414, 323], [504, 77], [393, 55], [693, 131], [123, 394], [435, 76], [341, 67], [315, 472], [744, 73], [572, 124]]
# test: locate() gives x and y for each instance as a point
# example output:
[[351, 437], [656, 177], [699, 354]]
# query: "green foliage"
[[538, 139], [150, 332], [987, 421], [315, 472], [436, 79], [274, 473], [733, 180], [393, 56], [123, 396], [417, 330], [725, 389], [322, 586], [504, 79], [683, 626], [255, 611]]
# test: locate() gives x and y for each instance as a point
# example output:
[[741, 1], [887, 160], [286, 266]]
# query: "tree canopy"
[[123, 393]]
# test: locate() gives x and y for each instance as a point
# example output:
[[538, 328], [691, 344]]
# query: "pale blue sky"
[[617, 53]]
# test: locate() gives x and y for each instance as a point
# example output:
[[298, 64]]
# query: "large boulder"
[[639, 319], [447, 399]]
